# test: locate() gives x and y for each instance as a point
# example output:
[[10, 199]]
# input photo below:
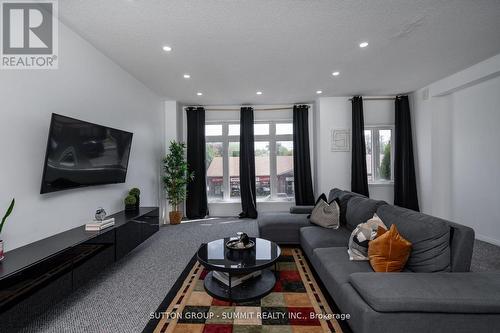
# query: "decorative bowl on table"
[[242, 242]]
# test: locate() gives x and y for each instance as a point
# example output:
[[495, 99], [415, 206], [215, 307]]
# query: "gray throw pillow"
[[326, 215]]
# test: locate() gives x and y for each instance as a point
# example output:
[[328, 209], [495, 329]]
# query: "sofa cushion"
[[430, 238], [314, 237], [281, 227], [361, 209], [334, 267], [342, 198], [301, 209], [431, 292]]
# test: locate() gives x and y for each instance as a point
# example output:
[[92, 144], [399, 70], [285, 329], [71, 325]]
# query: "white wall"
[[172, 131], [334, 168], [458, 148], [87, 86]]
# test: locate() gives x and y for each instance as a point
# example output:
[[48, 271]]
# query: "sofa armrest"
[[430, 292], [462, 245], [301, 209]]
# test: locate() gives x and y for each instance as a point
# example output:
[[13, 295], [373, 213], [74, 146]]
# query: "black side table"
[[215, 256]]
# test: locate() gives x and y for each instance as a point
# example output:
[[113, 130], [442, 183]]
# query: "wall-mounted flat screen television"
[[80, 154]]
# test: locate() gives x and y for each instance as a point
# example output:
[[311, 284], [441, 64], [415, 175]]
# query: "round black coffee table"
[[234, 264]]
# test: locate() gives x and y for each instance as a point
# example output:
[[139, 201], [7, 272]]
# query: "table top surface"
[[31, 254], [216, 256]]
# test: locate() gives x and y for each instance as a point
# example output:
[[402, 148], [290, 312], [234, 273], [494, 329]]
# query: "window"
[[215, 185], [274, 161], [273, 150], [379, 154]]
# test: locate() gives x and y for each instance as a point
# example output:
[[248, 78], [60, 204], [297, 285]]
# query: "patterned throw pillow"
[[326, 215], [361, 236]]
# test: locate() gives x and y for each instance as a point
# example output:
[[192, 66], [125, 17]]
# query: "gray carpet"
[[486, 257], [121, 298]]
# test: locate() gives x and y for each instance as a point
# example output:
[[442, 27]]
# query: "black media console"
[[38, 275]]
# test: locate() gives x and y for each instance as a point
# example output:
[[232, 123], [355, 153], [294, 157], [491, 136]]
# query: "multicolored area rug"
[[296, 305]]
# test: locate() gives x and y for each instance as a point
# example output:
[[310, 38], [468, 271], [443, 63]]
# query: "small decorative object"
[[175, 179], [137, 194], [7, 213], [340, 140], [243, 242], [100, 214], [243, 238], [130, 202]]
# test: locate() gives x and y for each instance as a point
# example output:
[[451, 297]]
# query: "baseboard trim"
[[488, 239]]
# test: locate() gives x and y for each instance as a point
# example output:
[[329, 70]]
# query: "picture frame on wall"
[[340, 140]]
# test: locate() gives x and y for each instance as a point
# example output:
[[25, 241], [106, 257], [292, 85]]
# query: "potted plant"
[[7, 213], [130, 202], [176, 178], [137, 194]]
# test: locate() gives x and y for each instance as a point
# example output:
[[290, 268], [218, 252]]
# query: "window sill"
[[381, 184], [258, 202]]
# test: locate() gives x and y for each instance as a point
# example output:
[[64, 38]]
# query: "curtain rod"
[[286, 107], [255, 109], [377, 99]]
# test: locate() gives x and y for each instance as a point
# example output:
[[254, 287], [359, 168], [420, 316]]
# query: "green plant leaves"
[[176, 174], [9, 211]]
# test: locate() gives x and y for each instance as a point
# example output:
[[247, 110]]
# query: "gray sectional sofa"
[[435, 293]]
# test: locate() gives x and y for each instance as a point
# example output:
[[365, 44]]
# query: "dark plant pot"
[[138, 202], [130, 208]]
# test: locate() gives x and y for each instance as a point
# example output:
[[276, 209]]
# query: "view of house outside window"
[[273, 147]]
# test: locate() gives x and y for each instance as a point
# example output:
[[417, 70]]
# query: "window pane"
[[215, 175], [234, 129], [284, 170], [284, 129], [234, 169], [262, 170], [261, 129], [213, 130], [385, 154], [369, 149]]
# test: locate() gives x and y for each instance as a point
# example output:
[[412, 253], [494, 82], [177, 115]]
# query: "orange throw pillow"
[[388, 252]]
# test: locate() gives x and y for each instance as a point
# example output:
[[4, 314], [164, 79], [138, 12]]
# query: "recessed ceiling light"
[[199, 93], [336, 73], [187, 76], [319, 92], [167, 48], [364, 44], [259, 93]]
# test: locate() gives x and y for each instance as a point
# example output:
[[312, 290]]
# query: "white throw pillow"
[[326, 215], [361, 236]]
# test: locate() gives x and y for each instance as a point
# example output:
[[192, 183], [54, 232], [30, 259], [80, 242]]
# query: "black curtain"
[[196, 202], [301, 157], [247, 165], [359, 177], [405, 183]]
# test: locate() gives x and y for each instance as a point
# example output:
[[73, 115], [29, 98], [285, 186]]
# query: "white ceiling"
[[287, 48]]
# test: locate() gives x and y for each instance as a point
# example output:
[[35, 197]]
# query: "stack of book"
[[99, 225], [235, 279]]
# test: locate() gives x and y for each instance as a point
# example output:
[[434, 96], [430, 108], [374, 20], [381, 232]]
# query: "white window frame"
[[225, 138], [376, 154], [272, 138]]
